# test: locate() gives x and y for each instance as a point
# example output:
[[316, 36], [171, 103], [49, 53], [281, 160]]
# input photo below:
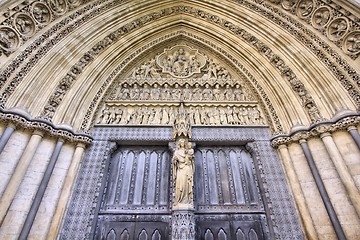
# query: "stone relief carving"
[[321, 17], [155, 91], [166, 114], [58, 6], [9, 40], [337, 28], [24, 24], [299, 33], [181, 61], [320, 13], [305, 8], [41, 13], [288, 4], [351, 43]]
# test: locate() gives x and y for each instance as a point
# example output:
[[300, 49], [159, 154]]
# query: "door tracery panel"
[[227, 196], [136, 197]]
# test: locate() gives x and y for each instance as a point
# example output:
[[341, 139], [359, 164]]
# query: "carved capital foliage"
[[317, 130], [43, 126]]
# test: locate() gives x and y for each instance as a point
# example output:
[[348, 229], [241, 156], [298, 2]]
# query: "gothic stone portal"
[[125, 185]]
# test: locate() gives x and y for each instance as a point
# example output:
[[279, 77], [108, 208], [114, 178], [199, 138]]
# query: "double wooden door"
[[137, 198]]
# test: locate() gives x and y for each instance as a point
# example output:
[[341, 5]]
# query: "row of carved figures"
[[230, 115], [186, 93]]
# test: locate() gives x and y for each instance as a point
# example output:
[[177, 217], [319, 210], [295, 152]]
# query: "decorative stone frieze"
[[316, 130], [22, 121]]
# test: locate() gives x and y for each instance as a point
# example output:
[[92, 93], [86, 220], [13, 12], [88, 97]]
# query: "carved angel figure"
[[183, 171]]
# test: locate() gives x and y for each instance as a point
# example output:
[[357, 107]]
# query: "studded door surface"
[[135, 204], [227, 195], [136, 199]]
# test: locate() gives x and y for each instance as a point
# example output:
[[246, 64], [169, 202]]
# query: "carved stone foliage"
[[316, 130], [127, 113], [50, 129]]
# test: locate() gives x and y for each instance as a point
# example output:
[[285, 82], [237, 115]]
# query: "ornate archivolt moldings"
[[149, 68], [316, 130], [79, 22], [29, 17], [8, 116], [25, 69], [332, 21]]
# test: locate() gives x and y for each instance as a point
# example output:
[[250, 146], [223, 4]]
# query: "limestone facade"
[[81, 80]]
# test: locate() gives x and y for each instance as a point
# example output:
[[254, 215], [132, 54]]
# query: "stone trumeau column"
[[183, 162]]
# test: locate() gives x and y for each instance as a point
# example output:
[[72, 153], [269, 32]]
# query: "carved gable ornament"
[[181, 61]]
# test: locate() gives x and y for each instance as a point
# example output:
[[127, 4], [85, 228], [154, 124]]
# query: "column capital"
[[282, 146], [38, 132], [351, 128], [302, 141], [11, 125], [325, 134]]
